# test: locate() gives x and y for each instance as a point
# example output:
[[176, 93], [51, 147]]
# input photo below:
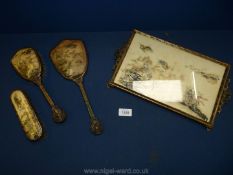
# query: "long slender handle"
[[58, 114], [96, 127]]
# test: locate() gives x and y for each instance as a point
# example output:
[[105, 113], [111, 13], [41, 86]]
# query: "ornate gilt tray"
[[173, 77]]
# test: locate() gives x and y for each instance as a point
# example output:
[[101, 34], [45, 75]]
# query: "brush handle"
[[95, 125], [58, 114]]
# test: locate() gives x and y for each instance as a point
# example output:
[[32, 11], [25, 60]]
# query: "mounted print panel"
[[176, 78]]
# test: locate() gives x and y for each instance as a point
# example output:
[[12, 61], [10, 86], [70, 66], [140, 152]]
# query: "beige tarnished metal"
[[70, 59], [27, 63], [26, 115]]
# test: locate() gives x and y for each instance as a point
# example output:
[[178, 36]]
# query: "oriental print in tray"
[[179, 79]]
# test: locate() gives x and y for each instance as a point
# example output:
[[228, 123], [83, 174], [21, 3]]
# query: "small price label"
[[125, 112]]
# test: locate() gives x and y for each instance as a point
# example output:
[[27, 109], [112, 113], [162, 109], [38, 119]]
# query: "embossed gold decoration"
[[27, 63], [26, 116], [70, 59]]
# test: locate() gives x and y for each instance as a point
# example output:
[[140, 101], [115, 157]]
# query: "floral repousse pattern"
[[27, 64], [26, 115], [69, 59]]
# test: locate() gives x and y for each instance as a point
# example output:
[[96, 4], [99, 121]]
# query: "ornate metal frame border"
[[223, 94]]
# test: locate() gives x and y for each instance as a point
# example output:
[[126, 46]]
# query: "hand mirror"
[[70, 59]]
